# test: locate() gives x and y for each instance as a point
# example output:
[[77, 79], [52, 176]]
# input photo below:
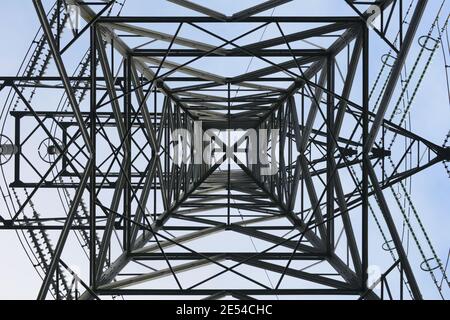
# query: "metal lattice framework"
[[150, 226]]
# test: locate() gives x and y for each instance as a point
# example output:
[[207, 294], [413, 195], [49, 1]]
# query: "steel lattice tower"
[[151, 226]]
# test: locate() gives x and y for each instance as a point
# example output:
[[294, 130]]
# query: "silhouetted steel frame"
[[149, 52]]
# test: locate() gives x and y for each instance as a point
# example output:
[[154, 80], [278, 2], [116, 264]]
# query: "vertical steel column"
[[17, 154], [365, 155], [93, 194], [229, 156], [155, 152], [127, 154], [330, 152]]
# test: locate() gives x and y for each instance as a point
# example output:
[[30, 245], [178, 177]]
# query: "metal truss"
[[149, 226]]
